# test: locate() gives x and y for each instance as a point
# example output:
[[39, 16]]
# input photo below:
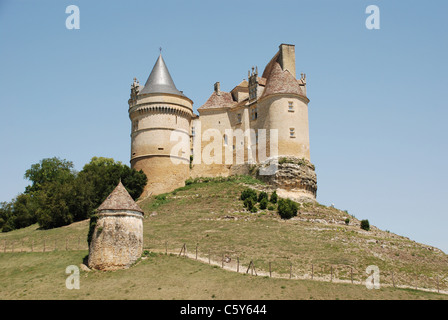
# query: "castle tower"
[[117, 240], [160, 137], [285, 104]]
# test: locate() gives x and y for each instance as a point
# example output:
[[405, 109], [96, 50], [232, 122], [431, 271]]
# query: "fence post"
[[351, 273], [44, 245], [4, 245], [196, 251], [12, 246], [331, 279], [438, 284], [166, 247], [290, 270], [237, 264], [270, 271], [208, 256], [312, 271], [222, 261], [393, 279]]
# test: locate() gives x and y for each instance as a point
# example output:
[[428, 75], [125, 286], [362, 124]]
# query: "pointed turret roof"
[[160, 81], [120, 199]]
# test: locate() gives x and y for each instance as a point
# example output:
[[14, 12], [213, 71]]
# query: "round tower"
[[160, 116], [117, 238]]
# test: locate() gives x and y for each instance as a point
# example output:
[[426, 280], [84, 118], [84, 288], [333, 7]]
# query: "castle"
[[267, 113]]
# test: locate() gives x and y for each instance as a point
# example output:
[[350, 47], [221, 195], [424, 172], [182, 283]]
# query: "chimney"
[[217, 89], [287, 58]]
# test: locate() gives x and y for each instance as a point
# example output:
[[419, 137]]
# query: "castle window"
[[225, 139], [290, 106], [292, 133], [238, 118], [254, 113]]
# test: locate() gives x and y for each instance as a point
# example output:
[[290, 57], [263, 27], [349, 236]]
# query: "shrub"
[[249, 203], [365, 225], [262, 195], [161, 197], [249, 193], [92, 225], [264, 203], [347, 221], [274, 197], [271, 207], [287, 208], [254, 209]]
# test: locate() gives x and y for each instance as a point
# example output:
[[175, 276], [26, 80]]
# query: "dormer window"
[[238, 118]]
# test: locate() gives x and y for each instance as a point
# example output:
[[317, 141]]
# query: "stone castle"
[[171, 144]]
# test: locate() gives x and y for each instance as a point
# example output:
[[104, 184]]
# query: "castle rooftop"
[[119, 199], [160, 81]]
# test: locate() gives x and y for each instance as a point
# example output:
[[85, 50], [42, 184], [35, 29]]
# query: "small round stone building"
[[117, 239]]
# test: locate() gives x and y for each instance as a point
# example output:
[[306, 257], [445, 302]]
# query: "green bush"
[[254, 209], [249, 203], [274, 197], [249, 193], [92, 225], [264, 203], [160, 197], [287, 208], [347, 221], [365, 225], [262, 195], [271, 207]]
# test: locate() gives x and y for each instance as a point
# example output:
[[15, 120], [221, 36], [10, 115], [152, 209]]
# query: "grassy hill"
[[317, 250]]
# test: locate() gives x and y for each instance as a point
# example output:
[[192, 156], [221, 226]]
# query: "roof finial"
[[160, 49]]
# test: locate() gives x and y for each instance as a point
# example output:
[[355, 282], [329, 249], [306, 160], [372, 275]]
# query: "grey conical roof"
[[160, 81]]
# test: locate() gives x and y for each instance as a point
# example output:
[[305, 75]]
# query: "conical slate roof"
[[160, 81], [119, 199]]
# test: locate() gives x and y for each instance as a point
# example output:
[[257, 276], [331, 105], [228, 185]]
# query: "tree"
[[262, 195], [365, 225], [48, 170], [287, 208], [263, 203], [54, 205], [274, 197]]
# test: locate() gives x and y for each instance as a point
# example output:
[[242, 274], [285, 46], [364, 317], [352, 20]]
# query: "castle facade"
[[263, 119]]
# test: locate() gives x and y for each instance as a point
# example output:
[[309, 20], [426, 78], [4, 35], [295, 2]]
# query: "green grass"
[[42, 276], [207, 213]]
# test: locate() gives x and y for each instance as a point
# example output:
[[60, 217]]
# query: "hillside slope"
[[210, 220]]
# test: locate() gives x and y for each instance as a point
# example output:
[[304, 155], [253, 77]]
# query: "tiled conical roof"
[[281, 81], [160, 81], [119, 199]]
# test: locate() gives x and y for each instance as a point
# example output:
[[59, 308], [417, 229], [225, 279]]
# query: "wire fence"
[[277, 268]]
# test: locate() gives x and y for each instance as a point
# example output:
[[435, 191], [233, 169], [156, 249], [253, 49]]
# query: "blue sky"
[[378, 97]]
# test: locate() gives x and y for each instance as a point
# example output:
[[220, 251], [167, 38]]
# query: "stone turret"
[[117, 240], [157, 110]]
